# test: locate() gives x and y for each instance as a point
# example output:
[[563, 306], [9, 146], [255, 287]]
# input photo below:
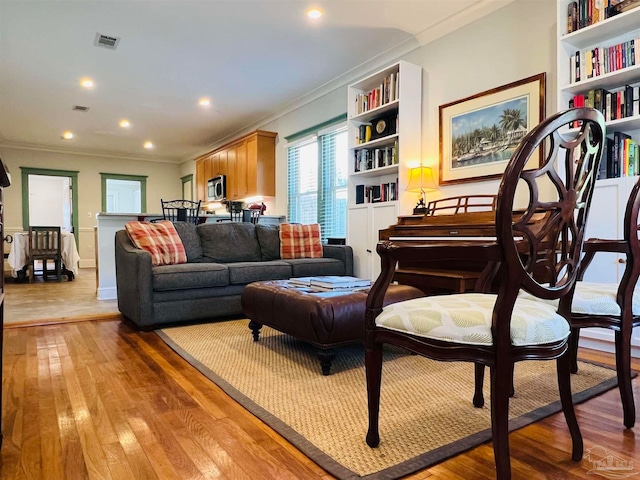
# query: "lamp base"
[[420, 211]]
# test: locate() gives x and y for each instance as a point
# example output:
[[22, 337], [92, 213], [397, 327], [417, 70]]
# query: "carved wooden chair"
[[607, 305], [543, 240], [45, 243], [181, 210], [612, 306]]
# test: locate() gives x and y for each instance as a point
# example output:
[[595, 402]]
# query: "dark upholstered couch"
[[221, 259]]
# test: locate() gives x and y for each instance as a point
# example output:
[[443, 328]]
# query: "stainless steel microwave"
[[217, 188]]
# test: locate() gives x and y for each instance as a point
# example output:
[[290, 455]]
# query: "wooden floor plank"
[[101, 400]]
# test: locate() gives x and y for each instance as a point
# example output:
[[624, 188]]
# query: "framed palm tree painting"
[[478, 134]]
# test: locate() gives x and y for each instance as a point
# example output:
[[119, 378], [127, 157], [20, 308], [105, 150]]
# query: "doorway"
[[50, 198]]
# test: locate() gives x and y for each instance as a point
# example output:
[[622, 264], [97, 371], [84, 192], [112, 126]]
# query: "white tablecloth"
[[18, 256]]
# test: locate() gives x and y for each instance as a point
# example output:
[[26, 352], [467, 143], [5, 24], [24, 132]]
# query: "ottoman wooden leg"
[[326, 356], [255, 329]]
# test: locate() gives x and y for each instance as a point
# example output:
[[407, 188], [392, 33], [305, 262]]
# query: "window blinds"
[[317, 182]]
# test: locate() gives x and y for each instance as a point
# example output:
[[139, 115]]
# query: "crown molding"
[[461, 19], [379, 61], [393, 54], [85, 153]]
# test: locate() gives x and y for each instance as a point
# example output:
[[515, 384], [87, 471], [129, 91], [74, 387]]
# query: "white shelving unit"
[[612, 31], [405, 105], [610, 196]]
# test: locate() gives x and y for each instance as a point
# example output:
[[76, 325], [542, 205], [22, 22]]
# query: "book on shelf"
[[339, 282], [303, 281], [384, 93], [584, 13], [601, 60], [384, 192], [623, 6]]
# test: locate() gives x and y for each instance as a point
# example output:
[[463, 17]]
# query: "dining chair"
[[537, 247], [253, 213], [236, 212], [615, 306], [181, 210], [45, 243], [610, 305]]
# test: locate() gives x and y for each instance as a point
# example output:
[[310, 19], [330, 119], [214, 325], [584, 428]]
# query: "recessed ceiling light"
[[314, 13], [204, 101], [86, 82], [67, 135], [148, 145], [124, 123]]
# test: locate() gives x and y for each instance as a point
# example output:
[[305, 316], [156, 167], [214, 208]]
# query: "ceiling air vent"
[[80, 108], [106, 41]]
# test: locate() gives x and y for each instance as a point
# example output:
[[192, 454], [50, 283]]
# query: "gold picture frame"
[[478, 134]]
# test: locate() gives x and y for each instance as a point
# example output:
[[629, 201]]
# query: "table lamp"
[[421, 180]]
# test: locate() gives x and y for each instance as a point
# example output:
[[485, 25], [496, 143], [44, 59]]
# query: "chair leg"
[[478, 396], [59, 269], [500, 380], [373, 367], [32, 267], [564, 385], [573, 349], [623, 371]]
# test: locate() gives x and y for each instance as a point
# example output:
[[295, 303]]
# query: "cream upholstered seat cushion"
[[466, 318], [592, 298]]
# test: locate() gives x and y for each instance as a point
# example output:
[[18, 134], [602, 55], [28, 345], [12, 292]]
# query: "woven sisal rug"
[[426, 414]]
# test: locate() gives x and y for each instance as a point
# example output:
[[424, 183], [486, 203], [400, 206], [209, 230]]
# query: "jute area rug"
[[426, 414]]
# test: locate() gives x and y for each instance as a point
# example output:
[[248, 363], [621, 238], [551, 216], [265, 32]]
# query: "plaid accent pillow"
[[300, 241], [160, 239]]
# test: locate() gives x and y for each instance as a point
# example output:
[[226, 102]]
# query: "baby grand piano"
[[448, 219]]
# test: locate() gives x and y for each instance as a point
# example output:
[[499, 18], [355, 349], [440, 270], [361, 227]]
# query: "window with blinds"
[[317, 177]]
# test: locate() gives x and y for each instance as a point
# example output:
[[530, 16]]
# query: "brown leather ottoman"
[[326, 322]]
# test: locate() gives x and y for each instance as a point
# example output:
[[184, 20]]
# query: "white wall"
[[513, 43], [163, 181], [510, 44]]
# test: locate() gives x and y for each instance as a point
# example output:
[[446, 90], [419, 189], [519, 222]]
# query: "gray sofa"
[[221, 259]]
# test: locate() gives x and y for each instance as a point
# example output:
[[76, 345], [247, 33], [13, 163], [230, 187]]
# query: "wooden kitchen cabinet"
[[248, 162], [201, 185]]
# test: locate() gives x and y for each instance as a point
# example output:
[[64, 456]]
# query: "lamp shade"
[[421, 180]]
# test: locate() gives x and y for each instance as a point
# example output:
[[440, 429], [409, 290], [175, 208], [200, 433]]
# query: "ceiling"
[[255, 59]]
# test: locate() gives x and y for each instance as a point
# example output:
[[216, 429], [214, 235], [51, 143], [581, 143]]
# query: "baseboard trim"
[[54, 321], [110, 293]]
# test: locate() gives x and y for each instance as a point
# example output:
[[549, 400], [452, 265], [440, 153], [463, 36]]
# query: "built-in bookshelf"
[[384, 139], [599, 66]]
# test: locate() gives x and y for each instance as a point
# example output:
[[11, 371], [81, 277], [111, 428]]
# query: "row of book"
[[613, 105], [384, 192], [331, 282], [601, 60], [622, 157], [370, 158], [388, 91], [583, 13]]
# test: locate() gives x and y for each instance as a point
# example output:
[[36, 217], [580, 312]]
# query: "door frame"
[[72, 174]]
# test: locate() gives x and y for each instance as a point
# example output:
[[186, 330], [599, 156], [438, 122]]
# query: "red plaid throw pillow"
[[300, 241], [160, 239]]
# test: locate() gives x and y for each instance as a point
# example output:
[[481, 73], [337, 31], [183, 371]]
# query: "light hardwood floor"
[[97, 399], [55, 301]]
